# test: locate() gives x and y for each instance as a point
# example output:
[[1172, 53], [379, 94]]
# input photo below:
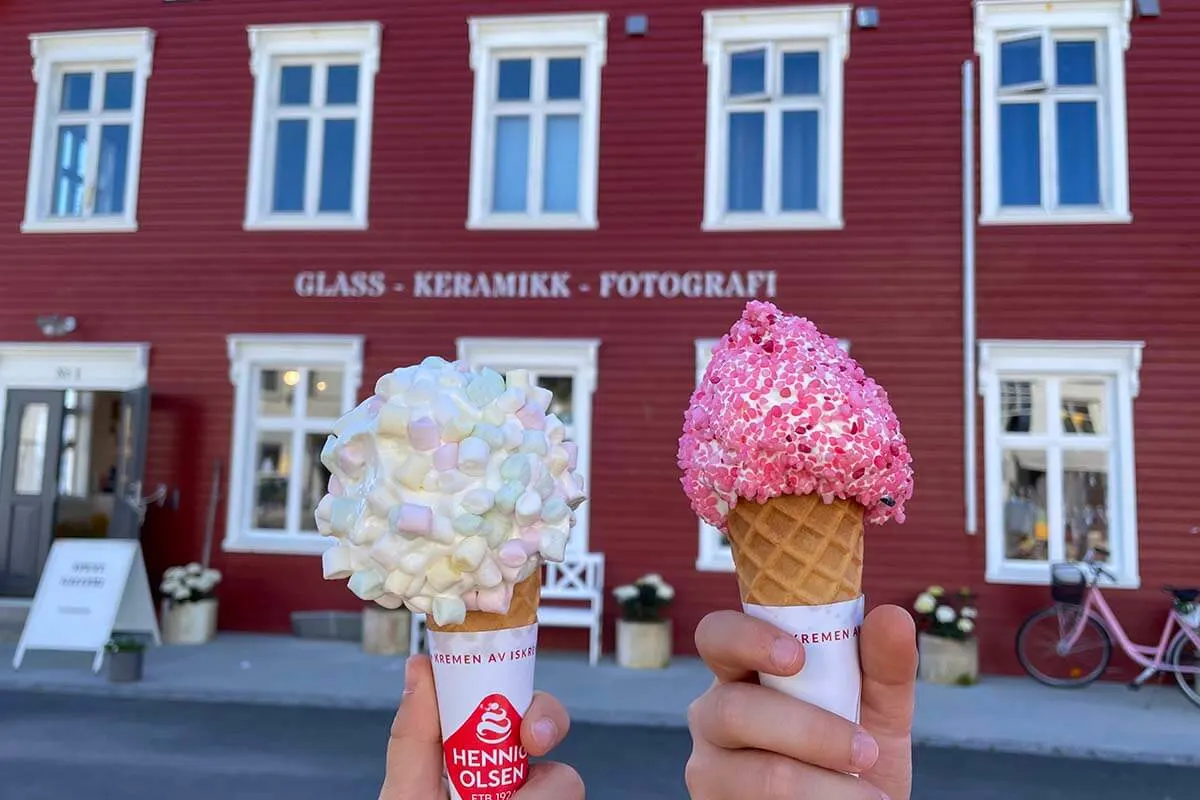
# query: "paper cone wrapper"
[[799, 563], [483, 672]]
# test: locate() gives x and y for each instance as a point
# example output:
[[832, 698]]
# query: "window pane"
[[1018, 412], [324, 394], [291, 165], [77, 91], [118, 91], [1076, 63], [277, 392], [509, 188], [514, 79], [1026, 532], [748, 73], [1020, 155], [560, 404], [272, 466], [561, 188], [802, 73], [315, 480], [111, 177], [69, 165], [800, 161], [31, 449], [1085, 502], [295, 86], [342, 85], [746, 146], [337, 165], [1021, 62], [1078, 154], [1084, 409], [565, 78]]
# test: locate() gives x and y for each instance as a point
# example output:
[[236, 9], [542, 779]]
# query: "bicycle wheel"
[[1037, 648], [1182, 653]]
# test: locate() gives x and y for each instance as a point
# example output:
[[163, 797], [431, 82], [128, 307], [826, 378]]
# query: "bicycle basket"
[[1067, 584]]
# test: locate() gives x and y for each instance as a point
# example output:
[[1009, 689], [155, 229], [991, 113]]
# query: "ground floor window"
[[288, 392], [1058, 426], [567, 367]]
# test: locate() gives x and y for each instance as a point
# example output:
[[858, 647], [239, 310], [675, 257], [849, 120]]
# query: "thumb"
[[414, 754], [889, 665]]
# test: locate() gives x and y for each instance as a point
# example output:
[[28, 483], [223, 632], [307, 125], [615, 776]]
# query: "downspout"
[[968, 265]]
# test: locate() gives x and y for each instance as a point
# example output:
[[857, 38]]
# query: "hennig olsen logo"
[[484, 757]]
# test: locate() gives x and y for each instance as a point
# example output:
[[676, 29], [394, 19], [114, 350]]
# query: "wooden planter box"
[[644, 645], [386, 632], [189, 623], [948, 661]]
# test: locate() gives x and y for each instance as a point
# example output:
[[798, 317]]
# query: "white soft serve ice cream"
[[448, 487]]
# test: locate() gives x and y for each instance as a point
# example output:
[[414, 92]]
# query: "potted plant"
[[125, 658], [189, 604], [643, 634], [946, 639]]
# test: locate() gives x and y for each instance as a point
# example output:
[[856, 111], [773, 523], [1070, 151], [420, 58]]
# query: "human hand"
[[754, 743], [414, 755]]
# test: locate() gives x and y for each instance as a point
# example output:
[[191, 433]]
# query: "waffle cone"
[[521, 612], [796, 550]]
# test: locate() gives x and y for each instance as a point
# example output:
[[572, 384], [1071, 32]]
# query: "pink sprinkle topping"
[[782, 409]]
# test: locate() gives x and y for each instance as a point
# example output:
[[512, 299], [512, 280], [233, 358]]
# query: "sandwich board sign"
[[89, 589]]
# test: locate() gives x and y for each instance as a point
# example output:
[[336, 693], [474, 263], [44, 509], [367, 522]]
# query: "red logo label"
[[484, 758]]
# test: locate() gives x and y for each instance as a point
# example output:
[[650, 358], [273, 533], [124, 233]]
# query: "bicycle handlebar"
[[1097, 568]]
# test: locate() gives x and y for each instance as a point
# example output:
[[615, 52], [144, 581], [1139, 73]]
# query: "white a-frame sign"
[[89, 589]]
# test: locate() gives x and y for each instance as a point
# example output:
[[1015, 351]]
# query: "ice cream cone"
[[522, 611]]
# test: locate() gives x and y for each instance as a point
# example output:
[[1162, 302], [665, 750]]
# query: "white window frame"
[[574, 358], [550, 35], [272, 46], [1119, 364], [249, 353], [825, 28], [1107, 23], [716, 556], [89, 50]]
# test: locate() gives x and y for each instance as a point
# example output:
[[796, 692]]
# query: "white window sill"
[[716, 563], [524, 222], [783, 222], [92, 225], [1038, 574], [279, 543], [305, 224], [1037, 217]]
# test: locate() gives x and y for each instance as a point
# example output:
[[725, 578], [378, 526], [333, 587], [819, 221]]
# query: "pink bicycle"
[[1070, 643]]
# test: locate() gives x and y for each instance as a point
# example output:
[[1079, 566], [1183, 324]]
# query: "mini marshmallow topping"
[[447, 488], [782, 409]]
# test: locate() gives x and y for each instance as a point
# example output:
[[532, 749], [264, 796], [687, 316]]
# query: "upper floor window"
[[87, 130], [535, 143], [310, 161], [775, 92], [1053, 127]]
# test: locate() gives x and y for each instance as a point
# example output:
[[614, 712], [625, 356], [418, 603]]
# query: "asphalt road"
[[54, 747]]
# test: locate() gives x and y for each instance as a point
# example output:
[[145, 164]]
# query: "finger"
[[744, 716], [414, 753], [545, 725], [889, 665], [735, 646], [715, 774], [552, 781]]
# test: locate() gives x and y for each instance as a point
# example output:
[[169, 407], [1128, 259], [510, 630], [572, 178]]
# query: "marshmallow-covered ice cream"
[[448, 487]]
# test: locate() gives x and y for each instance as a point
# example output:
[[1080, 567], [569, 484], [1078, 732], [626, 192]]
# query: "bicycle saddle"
[[1183, 595]]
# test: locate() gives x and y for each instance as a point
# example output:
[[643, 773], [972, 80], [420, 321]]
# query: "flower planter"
[[385, 632], [125, 666], [189, 623], [948, 661], [644, 645]]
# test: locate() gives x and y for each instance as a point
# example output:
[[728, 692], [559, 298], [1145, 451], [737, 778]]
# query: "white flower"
[[182, 594], [925, 604], [965, 625], [945, 614], [174, 573], [169, 586], [653, 579], [969, 612], [213, 575], [936, 591], [194, 568], [624, 593], [666, 592]]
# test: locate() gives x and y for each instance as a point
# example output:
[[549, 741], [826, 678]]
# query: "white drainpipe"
[[968, 134]]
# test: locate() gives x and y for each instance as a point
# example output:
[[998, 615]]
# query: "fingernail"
[[864, 750], [784, 652], [409, 679], [545, 732]]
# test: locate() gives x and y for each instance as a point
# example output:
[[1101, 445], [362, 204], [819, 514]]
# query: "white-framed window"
[[86, 151], [288, 392], [715, 555], [775, 95], [1052, 111], [1058, 447], [310, 148], [535, 142], [568, 368]]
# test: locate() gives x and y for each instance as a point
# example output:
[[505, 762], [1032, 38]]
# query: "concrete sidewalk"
[[1104, 721]]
